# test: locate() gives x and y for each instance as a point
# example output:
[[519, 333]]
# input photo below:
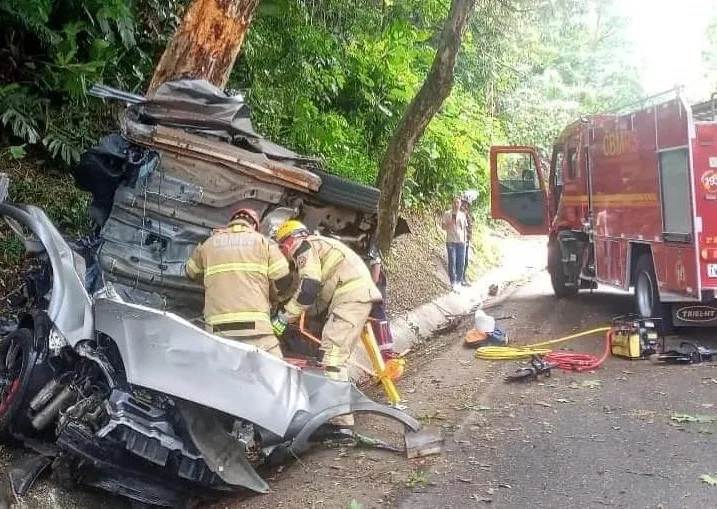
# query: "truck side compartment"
[[704, 149]]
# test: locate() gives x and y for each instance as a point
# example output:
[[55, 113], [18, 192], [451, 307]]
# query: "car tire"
[[647, 295], [557, 274], [16, 360], [339, 191]]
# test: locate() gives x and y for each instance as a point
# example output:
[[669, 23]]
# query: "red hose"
[[571, 361]]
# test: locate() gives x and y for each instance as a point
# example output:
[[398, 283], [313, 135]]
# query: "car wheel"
[[339, 191], [557, 274], [647, 294], [15, 370]]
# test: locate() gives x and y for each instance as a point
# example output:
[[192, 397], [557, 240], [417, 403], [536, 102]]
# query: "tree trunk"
[[206, 43], [435, 90]]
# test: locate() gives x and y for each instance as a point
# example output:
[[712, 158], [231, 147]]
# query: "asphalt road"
[[601, 439], [588, 440]]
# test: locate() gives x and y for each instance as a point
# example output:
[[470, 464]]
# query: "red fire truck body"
[[630, 200]]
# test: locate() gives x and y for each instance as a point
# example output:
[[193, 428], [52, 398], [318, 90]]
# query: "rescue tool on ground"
[[630, 201], [383, 371], [632, 337], [629, 337], [538, 367], [691, 353]]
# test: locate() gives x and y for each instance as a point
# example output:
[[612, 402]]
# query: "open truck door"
[[517, 189]]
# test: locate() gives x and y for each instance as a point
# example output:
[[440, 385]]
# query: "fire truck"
[[628, 199]]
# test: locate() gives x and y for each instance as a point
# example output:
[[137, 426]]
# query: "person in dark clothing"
[[379, 316], [466, 209]]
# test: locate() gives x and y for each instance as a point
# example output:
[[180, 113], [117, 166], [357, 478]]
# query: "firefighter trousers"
[[339, 337], [267, 342]]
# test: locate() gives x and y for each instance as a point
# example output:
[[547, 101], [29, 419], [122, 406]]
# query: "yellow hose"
[[505, 353]]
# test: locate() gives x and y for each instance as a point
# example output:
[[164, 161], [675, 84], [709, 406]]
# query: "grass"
[[48, 187], [416, 478]]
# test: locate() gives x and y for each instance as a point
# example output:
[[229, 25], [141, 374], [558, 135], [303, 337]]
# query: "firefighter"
[[335, 278], [237, 265]]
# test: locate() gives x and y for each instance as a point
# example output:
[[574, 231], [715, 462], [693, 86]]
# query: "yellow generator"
[[632, 337]]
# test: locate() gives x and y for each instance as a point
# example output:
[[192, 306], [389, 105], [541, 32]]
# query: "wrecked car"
[[105, 373], [185, 160], [139, 401]]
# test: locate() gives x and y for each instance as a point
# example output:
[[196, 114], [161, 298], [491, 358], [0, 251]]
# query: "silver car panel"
[[70, 307]]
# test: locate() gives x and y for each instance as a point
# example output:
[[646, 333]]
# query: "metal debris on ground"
[[425, 442]]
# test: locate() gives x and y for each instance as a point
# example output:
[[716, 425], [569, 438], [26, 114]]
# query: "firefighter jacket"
[[329, 273], [237, 265]]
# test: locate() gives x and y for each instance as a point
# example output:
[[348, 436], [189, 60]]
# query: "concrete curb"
[[420, 324]]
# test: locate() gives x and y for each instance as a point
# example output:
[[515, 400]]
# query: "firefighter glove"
[[278, 324]]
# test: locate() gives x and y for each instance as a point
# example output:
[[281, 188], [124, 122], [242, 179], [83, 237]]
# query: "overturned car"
[[103, 372], [185, 160]]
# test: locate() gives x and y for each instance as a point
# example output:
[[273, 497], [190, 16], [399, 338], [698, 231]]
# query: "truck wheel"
[[647, 294], [557, 274]]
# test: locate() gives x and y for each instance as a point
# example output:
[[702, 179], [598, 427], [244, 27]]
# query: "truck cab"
[[627, 200]]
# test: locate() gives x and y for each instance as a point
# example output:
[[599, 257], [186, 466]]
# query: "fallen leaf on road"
[[591, 384], [709, 479], [433, 416], [702, 419]]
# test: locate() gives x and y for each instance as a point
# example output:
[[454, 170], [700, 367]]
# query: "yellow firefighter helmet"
[[290, 228]]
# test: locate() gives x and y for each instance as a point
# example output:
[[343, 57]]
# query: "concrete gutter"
[[521, 258]]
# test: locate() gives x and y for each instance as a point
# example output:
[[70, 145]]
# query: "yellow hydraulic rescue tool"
[[385, 372]]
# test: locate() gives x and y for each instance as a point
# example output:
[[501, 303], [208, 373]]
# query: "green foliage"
[[53, 51], [55, 193], [333, 79], [330, 78], [563, 59]]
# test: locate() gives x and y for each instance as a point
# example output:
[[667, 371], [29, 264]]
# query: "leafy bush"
[[53, 51]]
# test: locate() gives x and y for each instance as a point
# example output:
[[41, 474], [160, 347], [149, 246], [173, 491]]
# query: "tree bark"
[[207, 42], [435, 90]]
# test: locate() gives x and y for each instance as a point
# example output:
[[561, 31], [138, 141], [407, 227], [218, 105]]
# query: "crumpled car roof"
[[199, 105]]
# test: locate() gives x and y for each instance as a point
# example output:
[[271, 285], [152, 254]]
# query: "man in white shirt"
[[455, 223]]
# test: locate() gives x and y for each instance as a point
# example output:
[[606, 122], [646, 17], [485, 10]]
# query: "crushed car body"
[[105, 373], [186, 159]]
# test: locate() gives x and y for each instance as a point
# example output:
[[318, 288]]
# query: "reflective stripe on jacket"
[[341, 274], [237, 265]]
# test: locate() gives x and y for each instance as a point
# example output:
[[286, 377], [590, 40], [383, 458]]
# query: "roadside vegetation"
[[324, 77]]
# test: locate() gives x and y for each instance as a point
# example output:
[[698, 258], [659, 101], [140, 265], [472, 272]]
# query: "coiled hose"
[[568, 361]]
